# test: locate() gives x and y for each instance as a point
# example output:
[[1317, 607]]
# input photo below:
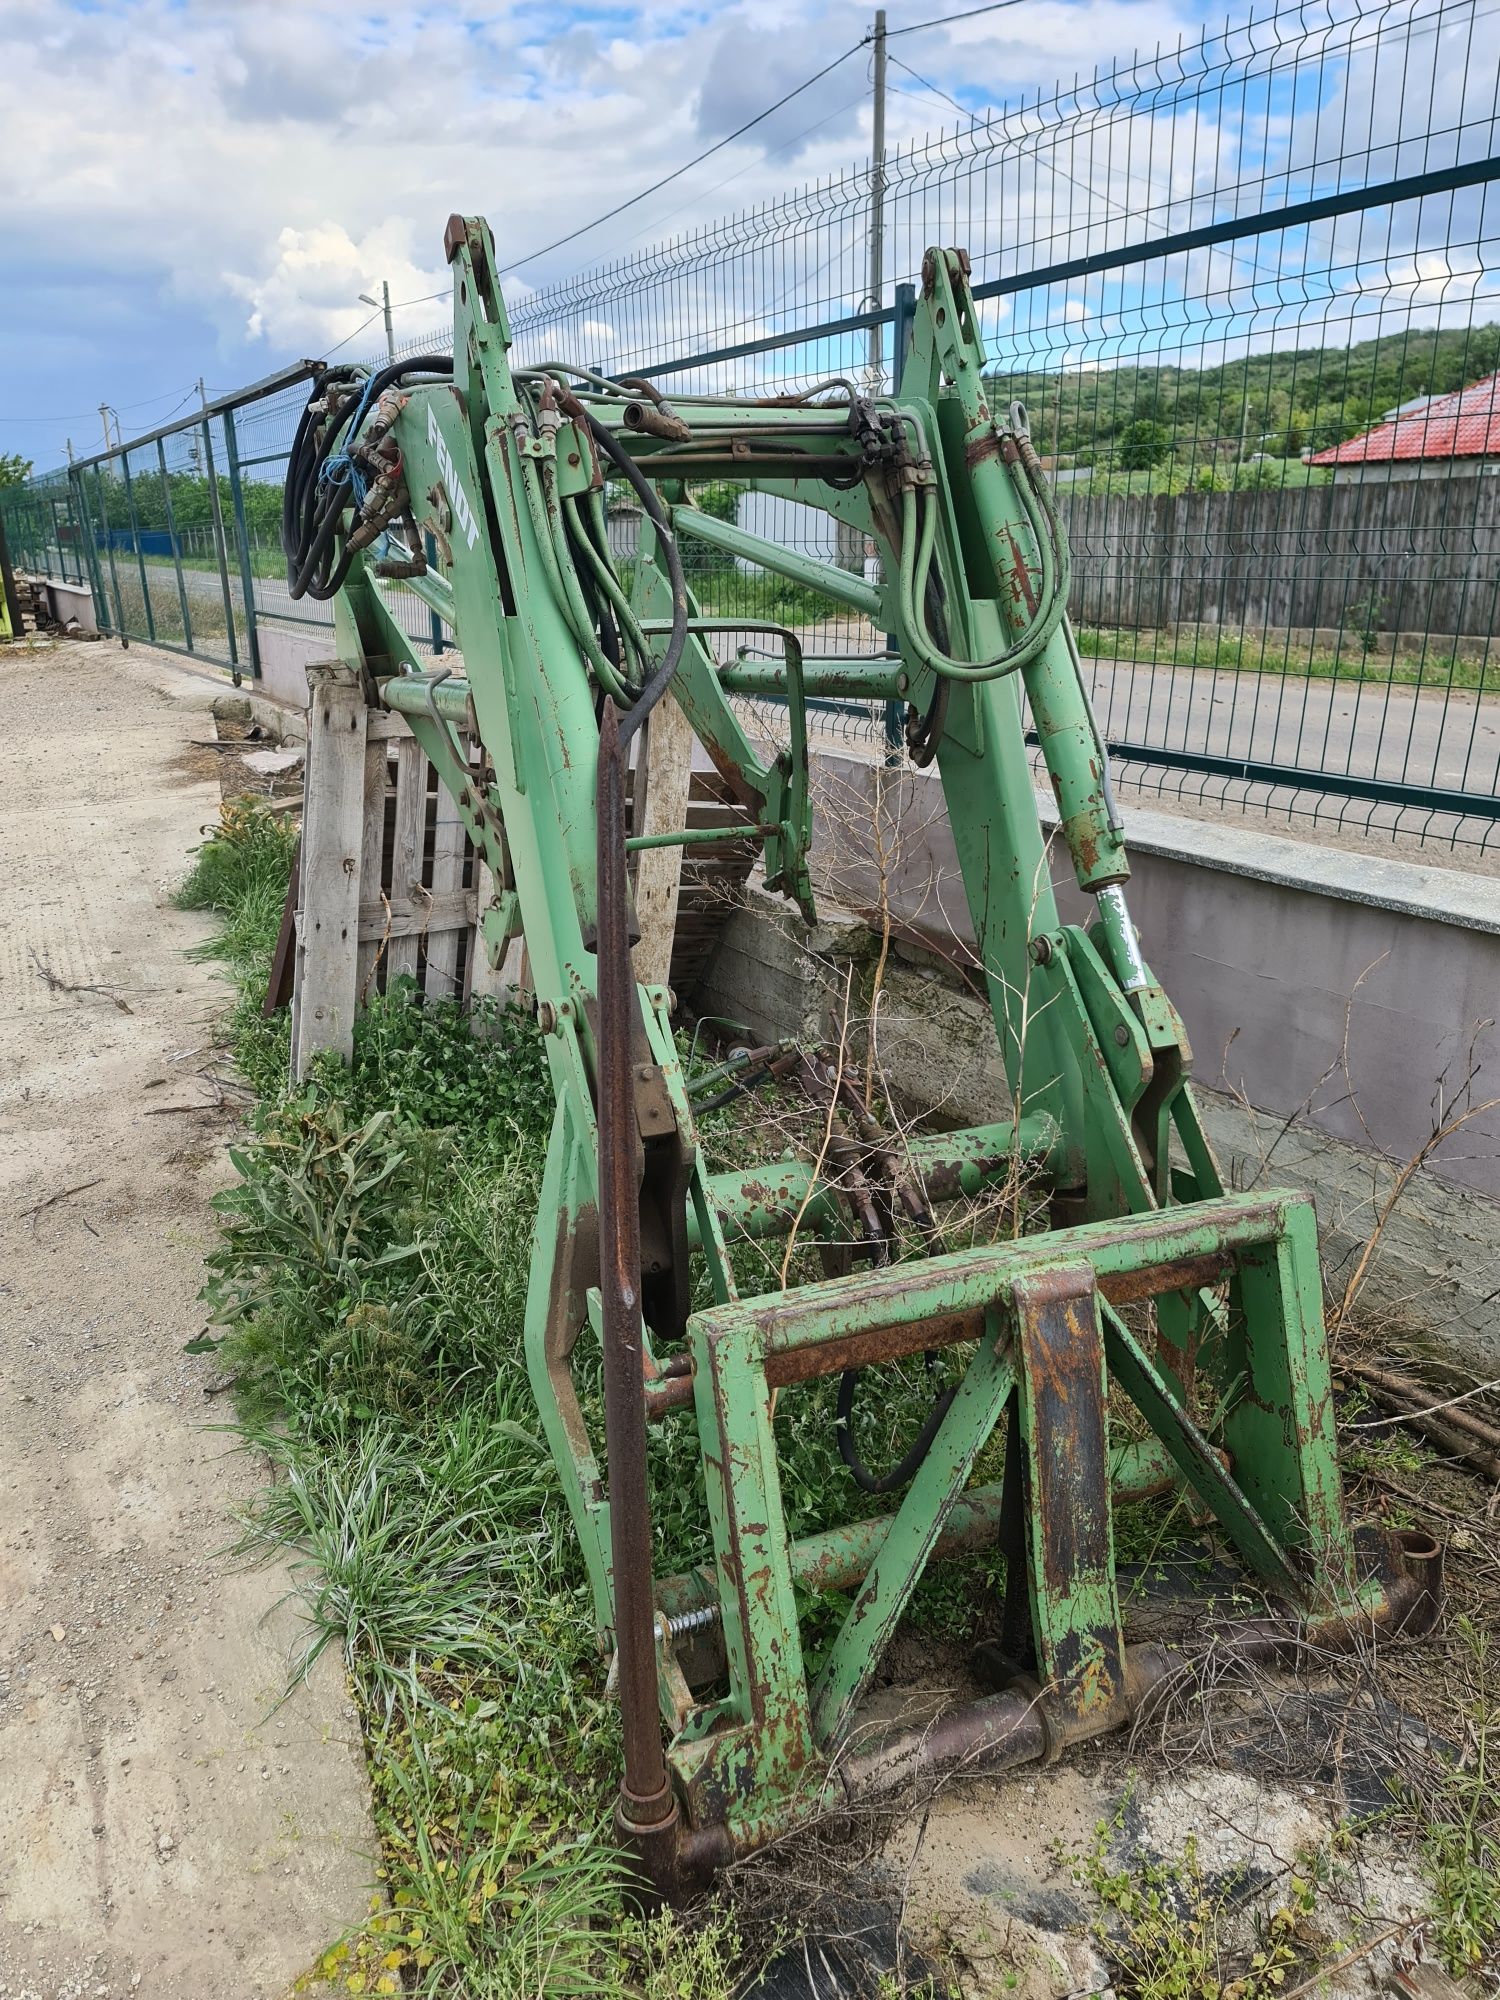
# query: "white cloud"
[[269, 162]]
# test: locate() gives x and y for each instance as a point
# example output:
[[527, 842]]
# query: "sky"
[[204, 188]]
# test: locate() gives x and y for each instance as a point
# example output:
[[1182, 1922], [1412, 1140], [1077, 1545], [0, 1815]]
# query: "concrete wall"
[[286, 652], [1356, 992], [1333, 1003], [1413, 556]]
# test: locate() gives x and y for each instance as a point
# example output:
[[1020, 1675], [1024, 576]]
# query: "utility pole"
[[385, 307], [69, 443], [849, 542], [104, 417], [877, 210]]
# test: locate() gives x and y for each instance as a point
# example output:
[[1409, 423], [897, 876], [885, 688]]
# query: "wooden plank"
[[448, 841], [669, 767], [372, 858], [387, 727], [406, 846], [332, 848], [486, 981], [424, 917]]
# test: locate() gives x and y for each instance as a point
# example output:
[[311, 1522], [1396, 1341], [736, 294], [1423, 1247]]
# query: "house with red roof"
[[1432, 437]]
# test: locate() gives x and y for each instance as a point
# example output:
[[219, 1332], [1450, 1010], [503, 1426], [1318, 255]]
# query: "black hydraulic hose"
[[610, 643], [658, 683], [906, 1466], [312, 506], [739, 1087]]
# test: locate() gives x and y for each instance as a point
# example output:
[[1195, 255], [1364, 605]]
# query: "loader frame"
[[499, 472]]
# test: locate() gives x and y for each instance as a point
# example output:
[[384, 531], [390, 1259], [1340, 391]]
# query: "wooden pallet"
[[387, 885]]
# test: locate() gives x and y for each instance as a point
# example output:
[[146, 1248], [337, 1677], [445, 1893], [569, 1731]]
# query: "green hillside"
[[1175, 421]]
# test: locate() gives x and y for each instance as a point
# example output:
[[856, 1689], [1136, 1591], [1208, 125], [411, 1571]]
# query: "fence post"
[[438, 642], [221, 549], [166, 495], [140, 554], [109, 549], [327, 978], [242, 540], [905, 317], [90, 548]]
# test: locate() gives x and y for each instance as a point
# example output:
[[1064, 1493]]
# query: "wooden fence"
[[1405, 557]]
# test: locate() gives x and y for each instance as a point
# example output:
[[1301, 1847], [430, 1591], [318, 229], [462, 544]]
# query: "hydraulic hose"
[[322, 480], [906, 1466], [659, 681], [918, 539]]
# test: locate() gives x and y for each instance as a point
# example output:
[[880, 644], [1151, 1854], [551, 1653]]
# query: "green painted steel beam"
[[968, 1281], [764, 1201], [839, 1558], [501, 481], [840, 584], [822, 679]]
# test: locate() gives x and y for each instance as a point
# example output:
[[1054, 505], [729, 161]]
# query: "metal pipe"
[[242, 542], [995, 1733], [992, 1734], [221, 541], [828, 679], [839, 1558], [407, 694], [646, 1815], [762, 1201]]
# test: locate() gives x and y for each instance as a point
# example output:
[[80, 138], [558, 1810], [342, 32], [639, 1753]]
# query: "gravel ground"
[[165, 1827]]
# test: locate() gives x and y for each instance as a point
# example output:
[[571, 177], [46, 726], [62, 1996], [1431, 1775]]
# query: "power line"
[[942, 20], [688, 165], [85, 416], [660, 221], [358, 330], [932, 88]]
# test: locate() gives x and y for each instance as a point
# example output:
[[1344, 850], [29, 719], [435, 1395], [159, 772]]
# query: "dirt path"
[[162, 1831]]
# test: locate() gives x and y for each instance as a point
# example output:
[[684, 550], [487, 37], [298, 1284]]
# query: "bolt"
[[1041, 950], [546, 1016], [1122, 1035]]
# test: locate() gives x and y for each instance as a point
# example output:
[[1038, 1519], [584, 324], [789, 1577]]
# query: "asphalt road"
[[1359, 728]]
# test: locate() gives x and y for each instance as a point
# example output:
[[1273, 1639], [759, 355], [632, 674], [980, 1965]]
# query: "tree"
[[14, 470], [1143, 444], [721, 499]]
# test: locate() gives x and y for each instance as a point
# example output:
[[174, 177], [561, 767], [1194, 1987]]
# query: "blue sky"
[[203, 187]]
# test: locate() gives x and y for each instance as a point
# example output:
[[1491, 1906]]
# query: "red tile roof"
[[1465, 424]]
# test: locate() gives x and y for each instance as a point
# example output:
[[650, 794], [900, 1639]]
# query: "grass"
[[1358, 657], [368, 1288], [368, 1292]]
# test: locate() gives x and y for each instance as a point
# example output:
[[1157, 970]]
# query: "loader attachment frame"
[[1152, 1285]]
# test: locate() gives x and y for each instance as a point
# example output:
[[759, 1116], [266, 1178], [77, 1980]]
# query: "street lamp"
[[383, 304]]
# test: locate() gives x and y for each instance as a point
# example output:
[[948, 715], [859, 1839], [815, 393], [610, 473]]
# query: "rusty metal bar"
[[647, 1809]]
